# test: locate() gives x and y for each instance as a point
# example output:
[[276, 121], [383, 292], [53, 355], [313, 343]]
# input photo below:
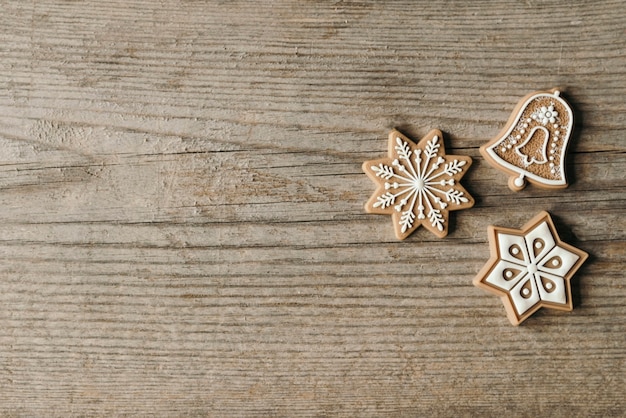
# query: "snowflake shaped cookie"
[[418, 184], [530, 268]]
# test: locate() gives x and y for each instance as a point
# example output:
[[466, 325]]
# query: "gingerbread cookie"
[[418, 184], [533, 143], [530, 268]]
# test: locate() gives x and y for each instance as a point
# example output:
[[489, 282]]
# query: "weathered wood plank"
[[181, 209]]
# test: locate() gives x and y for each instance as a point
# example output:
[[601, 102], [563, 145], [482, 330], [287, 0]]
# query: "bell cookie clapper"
[[532, 146]]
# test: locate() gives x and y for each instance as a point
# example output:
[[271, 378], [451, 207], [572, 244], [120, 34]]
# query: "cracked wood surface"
[[181, 209]]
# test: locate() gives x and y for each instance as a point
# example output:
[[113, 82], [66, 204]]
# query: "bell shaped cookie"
[[532, 145]]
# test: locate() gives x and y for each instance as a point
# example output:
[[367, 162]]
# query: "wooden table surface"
[[182, 230]]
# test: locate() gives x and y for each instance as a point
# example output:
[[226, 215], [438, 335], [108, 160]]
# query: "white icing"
[[418, 177], [542, 149], [565, 132], [531, 268], [507, 245], [498, 278], [523, 303], [541, 233], [554, 291], [568, 259], [546, 114]]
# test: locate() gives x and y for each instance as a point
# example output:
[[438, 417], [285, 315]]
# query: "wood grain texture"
[[182, 229]]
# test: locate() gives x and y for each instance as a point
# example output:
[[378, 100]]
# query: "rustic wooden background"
[[181, 209]]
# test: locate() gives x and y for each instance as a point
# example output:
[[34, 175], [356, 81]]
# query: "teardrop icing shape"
[[527, 290], [533, 144], [553, 263], [516, 252], [548, 285], [510, 273], [538, 246]]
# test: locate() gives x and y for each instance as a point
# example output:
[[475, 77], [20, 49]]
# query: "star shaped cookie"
[[530, 268], [418, 184]]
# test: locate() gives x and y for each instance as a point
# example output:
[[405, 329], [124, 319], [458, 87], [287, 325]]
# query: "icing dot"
[[555, 125], [551, 151], [526, 125], [503, 149], [525, 292], [555, 262], [508, 274], [553, 145], [509, 146], [557, 133], [551, 165], [528, 120], [548, 285], [551, 158], [514, 141], [518, 137], [538, 244], [522, 131], [515, 251], [552, 171], [519, 182]]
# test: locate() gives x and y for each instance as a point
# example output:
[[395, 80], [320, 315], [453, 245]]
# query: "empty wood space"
[[182, 224]]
